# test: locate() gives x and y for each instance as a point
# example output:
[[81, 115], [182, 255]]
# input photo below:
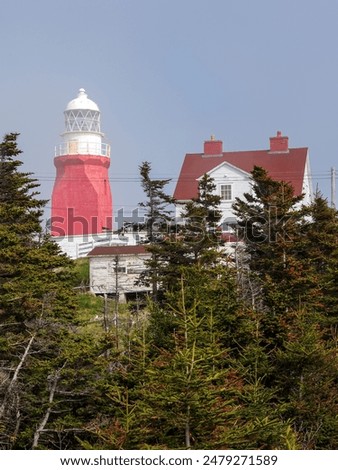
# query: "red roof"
[[284, 166], [118, 250]]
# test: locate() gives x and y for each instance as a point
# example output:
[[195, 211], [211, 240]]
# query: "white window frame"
[[228, 190]]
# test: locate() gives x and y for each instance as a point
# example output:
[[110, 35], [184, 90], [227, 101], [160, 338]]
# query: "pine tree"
[[292, 256], [201, 228], [118, 422]]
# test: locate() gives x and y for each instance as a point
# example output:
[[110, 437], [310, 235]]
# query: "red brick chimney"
[[213, 147], [279, 143]]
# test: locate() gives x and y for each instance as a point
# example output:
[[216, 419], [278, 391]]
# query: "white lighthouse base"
[[78, 246]]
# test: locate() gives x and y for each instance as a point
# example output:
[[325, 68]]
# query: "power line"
[[187, 178]]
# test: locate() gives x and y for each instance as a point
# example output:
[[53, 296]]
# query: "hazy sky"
[[166, 75]]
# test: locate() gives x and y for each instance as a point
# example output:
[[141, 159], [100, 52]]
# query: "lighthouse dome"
[[82, 102], [82, 133], [82, 115]]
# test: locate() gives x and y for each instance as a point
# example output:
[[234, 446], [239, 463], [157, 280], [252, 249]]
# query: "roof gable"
[[232, 168]]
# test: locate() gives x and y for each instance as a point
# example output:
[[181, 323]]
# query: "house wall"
[[239, 181], [307, 188], [226, 174], [105, 280]]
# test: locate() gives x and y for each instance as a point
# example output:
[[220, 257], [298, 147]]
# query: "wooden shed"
[[116, 270]]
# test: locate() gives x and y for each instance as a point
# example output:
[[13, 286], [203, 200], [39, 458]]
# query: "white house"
[[231, 171]]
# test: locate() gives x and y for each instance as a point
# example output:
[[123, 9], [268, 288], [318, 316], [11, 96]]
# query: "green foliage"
[[320, 249], [306, 374], [157, 217], [269, 224], [195, 241], [185, 397], [157, 202], [293, 258], [36, 303], [81, 273], [238, 356], [228, 359]]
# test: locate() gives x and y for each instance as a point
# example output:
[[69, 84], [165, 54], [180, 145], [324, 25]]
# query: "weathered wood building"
[[116, 270]]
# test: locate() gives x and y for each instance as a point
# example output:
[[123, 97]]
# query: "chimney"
[[213, 147], [279, 143]]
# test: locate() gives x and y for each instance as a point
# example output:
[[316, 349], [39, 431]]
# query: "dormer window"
[[226, 192]]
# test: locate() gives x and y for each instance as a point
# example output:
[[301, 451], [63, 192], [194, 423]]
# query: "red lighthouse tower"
[[81, 198]]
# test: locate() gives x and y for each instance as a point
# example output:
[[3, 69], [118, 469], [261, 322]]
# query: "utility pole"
[[116, 312], [106, 313], [333, 187]]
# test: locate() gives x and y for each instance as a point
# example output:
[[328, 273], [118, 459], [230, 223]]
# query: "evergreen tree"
[[186, 395], [118, 423], [157, 223], [320, 248], [35, 300], [306, 377], [157, 214], [260, 423], [270, 221], [201, 218], [292, 257], [195, 241]]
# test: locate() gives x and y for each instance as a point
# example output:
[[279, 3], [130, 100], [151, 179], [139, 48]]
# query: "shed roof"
[[118, 250]]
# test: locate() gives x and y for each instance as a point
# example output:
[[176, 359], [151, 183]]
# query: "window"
[[120, 269], [117, 266], [226, 192]]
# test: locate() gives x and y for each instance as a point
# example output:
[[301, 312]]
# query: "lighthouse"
[[81, 198]]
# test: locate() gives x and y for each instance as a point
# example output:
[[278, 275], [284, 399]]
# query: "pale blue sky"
[[166, 75]]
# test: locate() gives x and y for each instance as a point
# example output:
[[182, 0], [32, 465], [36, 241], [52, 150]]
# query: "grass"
[[81, 273]]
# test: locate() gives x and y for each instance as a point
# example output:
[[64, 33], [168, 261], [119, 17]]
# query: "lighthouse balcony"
[[83, 148]]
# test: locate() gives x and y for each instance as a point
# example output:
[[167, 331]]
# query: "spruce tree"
[[35, 301], [157, 214], [292, 257], [194, 241], [270, 222], [260, 423], [157, 222], [201, 218], [305, 374], [186, 397], [320, 248]]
